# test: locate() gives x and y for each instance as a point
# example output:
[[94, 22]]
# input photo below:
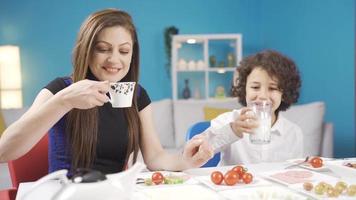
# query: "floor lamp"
[[10, 77]]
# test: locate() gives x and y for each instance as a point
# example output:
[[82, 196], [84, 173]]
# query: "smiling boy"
[[265, 76]]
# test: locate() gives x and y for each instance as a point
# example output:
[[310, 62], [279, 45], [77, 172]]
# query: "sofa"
[[173, 118]]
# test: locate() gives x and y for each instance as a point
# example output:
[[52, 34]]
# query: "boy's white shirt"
[[286, 142]]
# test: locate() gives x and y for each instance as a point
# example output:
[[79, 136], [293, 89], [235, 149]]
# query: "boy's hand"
[[245, 122]]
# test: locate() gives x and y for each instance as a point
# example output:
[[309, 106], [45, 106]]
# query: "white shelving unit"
[[195, 55]]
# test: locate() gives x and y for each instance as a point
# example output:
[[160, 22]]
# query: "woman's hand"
[[197, 151], [85, 94], [245, 122]]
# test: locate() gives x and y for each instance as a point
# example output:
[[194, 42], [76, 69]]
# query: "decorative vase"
[[212, 61], [182, 64], [197, 94], [191, 65], [221, 64], [200, 65], [220, 92], [230, 60], [168, 35], [186, 90]]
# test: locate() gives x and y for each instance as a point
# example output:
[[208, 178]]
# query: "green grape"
[[148, 181], [319, 189], [351, 190], [327, 186], [341, 184], [340, 187], [331, 192], [173, 180]]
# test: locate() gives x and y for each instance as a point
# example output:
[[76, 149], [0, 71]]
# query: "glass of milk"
[[262, 111]]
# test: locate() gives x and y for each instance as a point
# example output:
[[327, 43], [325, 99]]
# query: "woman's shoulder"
[[140, 90], [143, 98], [58, 84]]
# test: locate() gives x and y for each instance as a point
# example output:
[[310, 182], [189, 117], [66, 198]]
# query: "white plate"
[[344, 172], [196, 192], [296, 176], [207, 181], [272, 192], [300, 188], [188, 179], [308, 165]]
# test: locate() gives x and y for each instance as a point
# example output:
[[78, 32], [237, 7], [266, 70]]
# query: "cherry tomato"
[[157, 178], [247, 178], [231, 177], [316, 162], [240, 170], [217, 177]]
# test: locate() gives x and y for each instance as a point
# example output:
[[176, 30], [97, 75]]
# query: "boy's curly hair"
[[279, 67]]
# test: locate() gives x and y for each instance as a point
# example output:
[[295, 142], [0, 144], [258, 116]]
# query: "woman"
[[85, 130]]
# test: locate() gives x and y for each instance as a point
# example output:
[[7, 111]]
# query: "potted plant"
[[168, 34]]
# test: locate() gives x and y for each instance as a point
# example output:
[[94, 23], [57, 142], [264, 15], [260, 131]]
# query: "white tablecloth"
[[194, 190]]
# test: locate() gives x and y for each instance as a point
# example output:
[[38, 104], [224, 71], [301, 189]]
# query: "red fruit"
[[247, 178], [157, 178], [231, 178], [217, 177], [239, 169], [316, 162]]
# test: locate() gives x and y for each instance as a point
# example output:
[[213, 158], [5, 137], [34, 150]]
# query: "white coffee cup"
[[121, 94], [262, 111]]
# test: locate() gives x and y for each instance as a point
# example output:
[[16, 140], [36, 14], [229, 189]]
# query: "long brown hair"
[[82, 125]]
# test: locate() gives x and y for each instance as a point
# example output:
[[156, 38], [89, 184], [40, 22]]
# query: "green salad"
[[167, 180]]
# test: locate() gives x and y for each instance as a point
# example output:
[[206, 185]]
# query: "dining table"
[[198, 185]]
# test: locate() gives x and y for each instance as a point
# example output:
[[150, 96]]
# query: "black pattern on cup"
[[124, 88], [121, 94]]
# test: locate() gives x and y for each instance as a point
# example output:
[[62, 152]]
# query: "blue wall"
[[46, 32], [317, 34], [320, 37]]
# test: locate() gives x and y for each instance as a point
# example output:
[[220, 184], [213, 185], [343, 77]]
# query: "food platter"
[[308, 166], [296, 176], [256, 182], [170, 179], [342, 170]]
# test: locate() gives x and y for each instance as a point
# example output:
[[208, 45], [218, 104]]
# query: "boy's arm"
[[220, 133]]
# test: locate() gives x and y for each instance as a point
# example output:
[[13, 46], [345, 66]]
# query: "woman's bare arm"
[[23, 134], [46, 110], [196, 151]]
